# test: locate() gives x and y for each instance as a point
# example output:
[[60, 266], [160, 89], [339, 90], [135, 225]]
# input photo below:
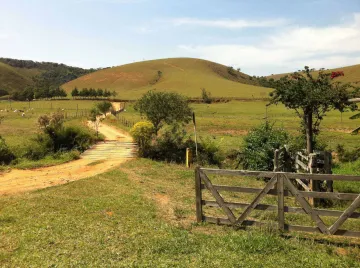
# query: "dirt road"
[[116, 149]]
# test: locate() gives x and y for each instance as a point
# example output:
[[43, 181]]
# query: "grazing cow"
[[23, 114]]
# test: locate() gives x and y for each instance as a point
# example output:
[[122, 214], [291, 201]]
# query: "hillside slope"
[[13, 79], [182, 75], [351, 74]]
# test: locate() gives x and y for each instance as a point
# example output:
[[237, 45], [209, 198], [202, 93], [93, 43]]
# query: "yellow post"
[[188, 157]]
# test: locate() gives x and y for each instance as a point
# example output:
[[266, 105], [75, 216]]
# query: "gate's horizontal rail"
[[265, 207], [287, 227], [325, 195], [268, 174]]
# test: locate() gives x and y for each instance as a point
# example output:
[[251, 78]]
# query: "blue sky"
[[259, 36]]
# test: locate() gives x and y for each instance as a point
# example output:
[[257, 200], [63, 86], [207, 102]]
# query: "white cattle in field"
[[23, 114]]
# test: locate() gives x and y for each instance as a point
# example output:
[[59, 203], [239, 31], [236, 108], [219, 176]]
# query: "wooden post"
[[276, 160], [188, 157], [314, 185], [328, 170], [199, 213], [77, 109], [280, 193]]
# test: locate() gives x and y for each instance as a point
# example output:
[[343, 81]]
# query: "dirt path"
[[116, 149]]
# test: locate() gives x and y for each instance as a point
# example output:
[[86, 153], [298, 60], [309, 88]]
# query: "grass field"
[[142, 214], [183, 75], [19, 131], [229, 122]]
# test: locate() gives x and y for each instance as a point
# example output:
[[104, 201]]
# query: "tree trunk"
[[309, 133]]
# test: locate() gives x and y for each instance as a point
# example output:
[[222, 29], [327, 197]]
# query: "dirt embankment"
[[18, 181]]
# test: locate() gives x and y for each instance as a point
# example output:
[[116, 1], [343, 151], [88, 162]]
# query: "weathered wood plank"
[[256, 201], [280, 192], [269, 174], [306, 188], [198, 193], [345, 215], [310, 229], [287, 227], [302, 165], [325, 195], [314, 216], [218, 197], [298, 210]]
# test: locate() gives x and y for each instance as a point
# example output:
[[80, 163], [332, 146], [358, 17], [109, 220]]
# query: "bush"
[[259, 146], [39, 147], [171, 146], [347, 156], [206, 96], [142, 133], [6, 156]]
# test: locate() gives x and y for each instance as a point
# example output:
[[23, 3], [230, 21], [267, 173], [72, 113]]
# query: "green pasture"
[[142, 214], [229, 122]]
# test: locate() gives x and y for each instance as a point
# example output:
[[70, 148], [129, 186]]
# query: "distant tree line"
[[46, 84], [92, 93], [30, 93], [3, 92]]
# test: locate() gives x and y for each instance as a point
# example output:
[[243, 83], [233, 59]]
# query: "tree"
[[311, 97], [142, 133], [95, 119], [75, 92], [164, 107], [206, 96], [104, 107]]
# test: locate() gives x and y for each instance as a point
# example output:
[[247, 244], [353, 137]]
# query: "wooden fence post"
[[314, 185], [199, 213], [328, 170], [280, 193], [276, 160]]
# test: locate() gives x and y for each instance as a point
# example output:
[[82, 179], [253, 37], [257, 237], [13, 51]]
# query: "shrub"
[[39, 147], [259, 146], [206, 96], [209, 152], [142, 133], [171, 146], [6, 156], [347, 156]]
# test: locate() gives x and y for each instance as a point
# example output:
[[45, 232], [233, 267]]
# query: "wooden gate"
[[280, 185]]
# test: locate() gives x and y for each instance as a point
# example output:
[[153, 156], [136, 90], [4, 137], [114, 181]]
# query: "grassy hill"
[[14, 79], [352, 74], [183, 75]]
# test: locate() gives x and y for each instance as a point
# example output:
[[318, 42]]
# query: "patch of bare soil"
[[19, 181]]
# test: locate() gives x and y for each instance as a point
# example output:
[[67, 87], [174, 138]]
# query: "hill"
[[351, 74], [182, 75], [14, 79], [38, 77]]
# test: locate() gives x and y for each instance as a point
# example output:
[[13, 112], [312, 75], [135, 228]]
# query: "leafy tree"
[[311, 97], [3, 92], [164, 107], [104, 107], [75, 92], [100, 92], [6, 156]]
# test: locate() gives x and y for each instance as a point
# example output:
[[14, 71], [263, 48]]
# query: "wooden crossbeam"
[[218, 198], [308, 209], [256, 201], [347, 213]]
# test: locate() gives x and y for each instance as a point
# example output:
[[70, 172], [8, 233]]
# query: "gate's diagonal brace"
[[346, 214], [306, 206], [218, 197], [256, 201]]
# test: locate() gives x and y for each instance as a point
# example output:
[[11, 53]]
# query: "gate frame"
[[279, 185]]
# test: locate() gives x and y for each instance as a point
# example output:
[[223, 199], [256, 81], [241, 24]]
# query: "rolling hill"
[[182, 75], [351, 74], [15, 79]]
